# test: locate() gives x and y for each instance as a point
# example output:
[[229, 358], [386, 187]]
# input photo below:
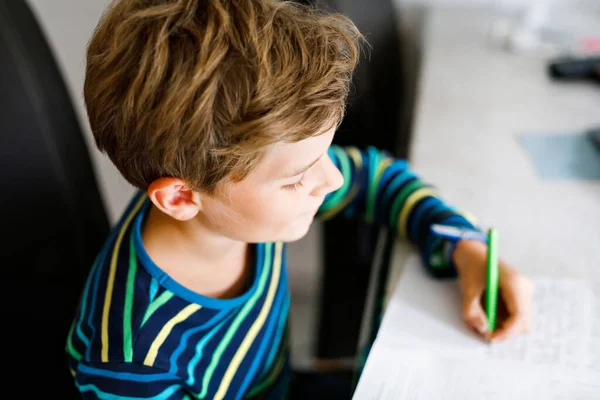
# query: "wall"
[[495, 3], [68, 24]]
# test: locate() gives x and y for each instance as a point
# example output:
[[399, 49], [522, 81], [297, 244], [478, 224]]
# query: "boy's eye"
[[295, 185]]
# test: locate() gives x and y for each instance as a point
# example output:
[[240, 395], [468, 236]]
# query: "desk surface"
[[474, 100]]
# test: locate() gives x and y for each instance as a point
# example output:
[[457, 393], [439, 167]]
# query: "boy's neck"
[[196, 256]]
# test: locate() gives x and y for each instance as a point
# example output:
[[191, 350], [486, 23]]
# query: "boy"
[[222, 113]]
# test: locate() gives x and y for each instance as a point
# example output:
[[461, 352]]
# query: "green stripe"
[[238, 321], [345, 167], [401, 198], [86, 294], [127, 335], [70, 348], [159, 301], [272, 376], [374, 159], [277, 366], [165, 394]]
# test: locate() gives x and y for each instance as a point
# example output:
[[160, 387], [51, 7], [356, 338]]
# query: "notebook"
[[424, 350]]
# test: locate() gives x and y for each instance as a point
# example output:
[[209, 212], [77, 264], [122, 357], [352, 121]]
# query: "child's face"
[[279, 199]]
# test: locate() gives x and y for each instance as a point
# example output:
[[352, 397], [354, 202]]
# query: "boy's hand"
[[515, 294]]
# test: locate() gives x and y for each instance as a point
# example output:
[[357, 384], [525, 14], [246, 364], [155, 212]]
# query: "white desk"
[[473, 102]]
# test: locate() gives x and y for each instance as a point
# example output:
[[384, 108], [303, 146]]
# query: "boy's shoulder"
[[129, 304], [122, 306]]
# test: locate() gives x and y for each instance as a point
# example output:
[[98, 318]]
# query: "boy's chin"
[[295, 234]]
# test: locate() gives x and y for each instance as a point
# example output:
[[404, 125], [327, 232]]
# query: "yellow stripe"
[[166, 329], [72, 372], [354, 153], [111, 278], [409, 205], [254, 329], [468, 216], [331, 212], [386, 162]]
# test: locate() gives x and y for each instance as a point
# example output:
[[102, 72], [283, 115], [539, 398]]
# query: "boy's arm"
[[127, 380], [384, 190]]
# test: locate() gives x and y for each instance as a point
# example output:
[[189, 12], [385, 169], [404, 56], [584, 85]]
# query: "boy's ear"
[[174, 197]]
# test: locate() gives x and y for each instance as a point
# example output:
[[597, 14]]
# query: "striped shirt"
[[138, 334]]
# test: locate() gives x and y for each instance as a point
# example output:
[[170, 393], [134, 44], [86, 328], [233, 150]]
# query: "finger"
[[510, 328], [474, 315], [517, 293], [516, 298]]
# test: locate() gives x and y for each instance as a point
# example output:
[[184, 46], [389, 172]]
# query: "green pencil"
[[491, 298]]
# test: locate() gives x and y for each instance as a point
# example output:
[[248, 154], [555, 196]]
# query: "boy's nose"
[[337, 179], [333, 179]]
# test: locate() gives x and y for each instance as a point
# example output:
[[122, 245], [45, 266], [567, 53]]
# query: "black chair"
[[52, 214], [376, 108]]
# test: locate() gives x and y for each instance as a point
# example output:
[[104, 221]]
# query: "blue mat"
[[564, 156]]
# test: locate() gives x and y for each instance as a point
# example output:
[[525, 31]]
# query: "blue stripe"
[[153, 288], [398, 166], [429, 213], [432, 241], [171, 284], [94, 294], [185, 337], [165, 394], [108, 245], [436, 210], [86, 293], [429, 218], [458, 221], [279, 336], [346, 168], [414, 220], [336, 162], [333, 156], [267, 337], [200, 351], [373, 159], [125, 376], [392, 188]]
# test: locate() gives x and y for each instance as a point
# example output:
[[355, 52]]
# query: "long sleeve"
[[383, 190], [109, 381]]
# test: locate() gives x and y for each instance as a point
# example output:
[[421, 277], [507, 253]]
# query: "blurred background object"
[[534, 27], [53, 217], [575, 68], [594, 135], [378, 111], [551, 28]]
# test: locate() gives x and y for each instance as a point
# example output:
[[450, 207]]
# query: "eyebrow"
[[302, 170]]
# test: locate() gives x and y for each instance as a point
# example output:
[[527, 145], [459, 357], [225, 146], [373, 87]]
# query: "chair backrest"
[[374, 118], [51, 211]]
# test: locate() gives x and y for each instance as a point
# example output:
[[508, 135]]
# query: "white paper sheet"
[[424, 375], [424, 350]]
